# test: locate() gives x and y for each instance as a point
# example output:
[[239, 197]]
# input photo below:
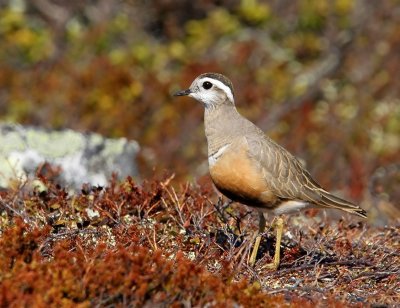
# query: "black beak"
[[183, 92]]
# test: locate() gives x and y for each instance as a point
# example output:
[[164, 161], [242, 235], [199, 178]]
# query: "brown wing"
[[287, 178], [282, 171]]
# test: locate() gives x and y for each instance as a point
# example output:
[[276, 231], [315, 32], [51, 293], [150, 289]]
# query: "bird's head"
[[211, 89]]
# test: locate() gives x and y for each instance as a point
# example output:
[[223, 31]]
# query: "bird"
[[249, 167]]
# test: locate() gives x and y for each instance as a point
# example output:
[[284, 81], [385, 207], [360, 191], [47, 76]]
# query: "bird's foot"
[[278, 223], [271, 266]]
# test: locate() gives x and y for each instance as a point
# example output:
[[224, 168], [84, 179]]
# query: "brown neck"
[[223, 123]]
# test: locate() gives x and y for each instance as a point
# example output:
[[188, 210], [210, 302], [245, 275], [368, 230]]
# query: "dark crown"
[[221, 78]]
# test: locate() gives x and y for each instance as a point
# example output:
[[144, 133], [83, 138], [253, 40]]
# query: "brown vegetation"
[[323, 78], [149, 244]]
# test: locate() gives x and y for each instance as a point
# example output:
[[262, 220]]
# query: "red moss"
[[153, 245]]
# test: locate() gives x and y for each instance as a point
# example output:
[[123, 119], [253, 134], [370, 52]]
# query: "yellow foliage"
[[344, 6], [253, 11]]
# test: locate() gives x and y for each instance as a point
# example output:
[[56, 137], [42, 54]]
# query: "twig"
[[376, 275], [10, 208], [296, 288], [351, 263]]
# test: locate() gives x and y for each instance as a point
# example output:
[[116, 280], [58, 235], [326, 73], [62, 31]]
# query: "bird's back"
[[249, 167]]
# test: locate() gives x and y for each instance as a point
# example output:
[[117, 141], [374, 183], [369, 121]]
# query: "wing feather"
[[288, 179], [282, 171]]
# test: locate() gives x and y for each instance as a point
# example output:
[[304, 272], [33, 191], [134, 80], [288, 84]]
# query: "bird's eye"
[[207, 85]]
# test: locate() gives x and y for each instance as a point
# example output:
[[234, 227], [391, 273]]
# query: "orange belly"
[[238, 178]]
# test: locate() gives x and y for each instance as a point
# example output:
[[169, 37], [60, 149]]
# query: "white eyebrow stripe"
[[220, 85]]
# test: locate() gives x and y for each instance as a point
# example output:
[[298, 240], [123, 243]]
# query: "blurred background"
[[321, 77]]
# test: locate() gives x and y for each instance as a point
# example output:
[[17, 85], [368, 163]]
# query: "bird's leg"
[[277, 258], [261, 228]]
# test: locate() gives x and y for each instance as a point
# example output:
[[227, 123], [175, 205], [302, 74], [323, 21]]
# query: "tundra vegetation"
[[321, 77]]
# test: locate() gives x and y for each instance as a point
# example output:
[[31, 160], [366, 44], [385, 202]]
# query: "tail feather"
[[329, 200]]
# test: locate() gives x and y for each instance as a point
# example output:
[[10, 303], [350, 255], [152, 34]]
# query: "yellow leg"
[[261, 228], [277, 258]]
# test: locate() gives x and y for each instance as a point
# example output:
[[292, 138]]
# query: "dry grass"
[[153, 244]]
